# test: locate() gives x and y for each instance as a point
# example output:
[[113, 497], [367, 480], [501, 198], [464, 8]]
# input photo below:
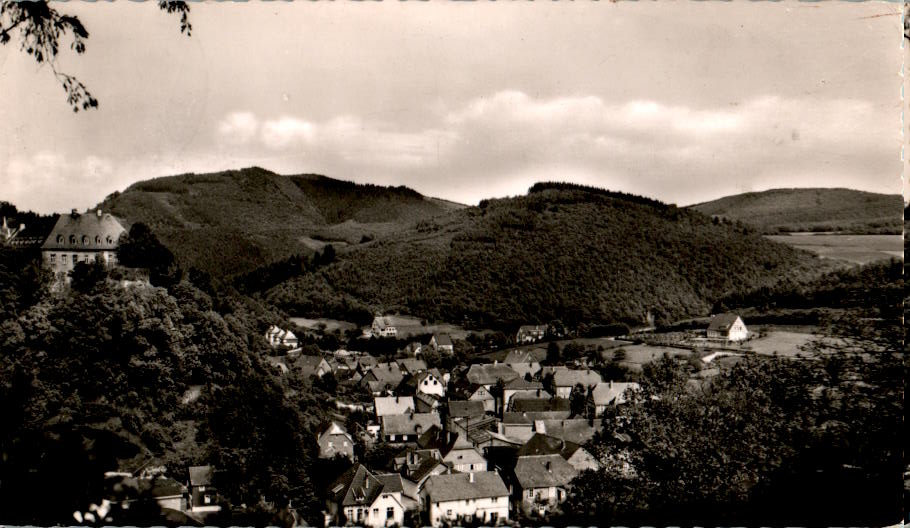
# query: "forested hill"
[[561, 252], [788, 210], [234, 221]]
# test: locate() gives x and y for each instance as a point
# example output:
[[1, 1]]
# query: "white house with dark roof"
[[383, 326], [483, 395], [403, 428], [280, 337], [90, 237], [442, 343], [392, 405], [489, 374], [359, 497], [461, 496], [609, 393], [541, 481], [530, 333], [727, 326]]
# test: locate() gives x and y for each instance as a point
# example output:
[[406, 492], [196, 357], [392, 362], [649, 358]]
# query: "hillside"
[[234, 221], [789, 210], [561, 252]]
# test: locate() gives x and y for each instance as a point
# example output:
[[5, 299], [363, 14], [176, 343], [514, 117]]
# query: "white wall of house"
[[533, 496], [431, 385], [62, 261], [738, 331], [487, 510], [377, 514]]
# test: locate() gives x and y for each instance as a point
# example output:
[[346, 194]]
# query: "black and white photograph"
[[403, 264]]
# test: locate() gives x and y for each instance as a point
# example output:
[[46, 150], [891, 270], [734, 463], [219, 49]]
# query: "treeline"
[[271, 275], [568, 255], [340, 200]]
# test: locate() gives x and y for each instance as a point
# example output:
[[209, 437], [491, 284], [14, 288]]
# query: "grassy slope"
[[568, 254], [235, 221], [811, 210]]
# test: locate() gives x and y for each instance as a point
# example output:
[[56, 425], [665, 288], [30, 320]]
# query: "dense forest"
[[791, 210], [232, 222], [561, 252], [95, 378]]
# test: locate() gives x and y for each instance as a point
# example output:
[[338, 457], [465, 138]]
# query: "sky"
[[684, 102]]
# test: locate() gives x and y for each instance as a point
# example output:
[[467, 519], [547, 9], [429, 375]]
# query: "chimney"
[[396, 399], [98, 212], [549, 470], [75, 212], [611, 384], [471, 477]]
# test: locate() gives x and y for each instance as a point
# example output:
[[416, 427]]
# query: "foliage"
[[41, 29], [140, 248]]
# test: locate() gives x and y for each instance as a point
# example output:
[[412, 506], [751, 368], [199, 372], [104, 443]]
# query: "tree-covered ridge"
[[788, 210], [565, 254], [232, 222]]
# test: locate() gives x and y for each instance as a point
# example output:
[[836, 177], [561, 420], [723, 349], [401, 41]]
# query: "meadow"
[[857, 249]]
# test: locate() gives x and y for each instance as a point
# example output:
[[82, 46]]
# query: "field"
[[324, 325], [858, 249], [638, 355], [782, 343]]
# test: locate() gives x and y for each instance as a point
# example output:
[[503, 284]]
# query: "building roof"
[[425, 402], [391, 482], [436, 438], [412, 365], [487, 374], [722, 322], [157, 487], [521, 356], [480, 394], [391, 405], [408, 424], [458, 486], [355, 487], [522, 384], [201, 475], [576, 430], [460, 408], [520, 404], [570, 378], [531, 394], [611, 392], [532, 417], [385, 373], [525, 368], [465, 455], [443, 340], [311, 363], [543, 471], [333, 428], [85, 232], [532, 328]]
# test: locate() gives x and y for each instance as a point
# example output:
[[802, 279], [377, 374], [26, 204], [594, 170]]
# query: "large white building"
[[361, 498], [91, 237], [464, 496], [727, 326]]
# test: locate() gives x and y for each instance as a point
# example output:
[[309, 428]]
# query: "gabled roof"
[[611, 392], [409, 424], [543, 471], [576, 430], [391, 405], [332, 428], [201, 475], [425, 402], [391, 482], [487, 374], [355, 487], [722, 322], [465, 455], [157, 487], [436, 438], [412, 365], [91, 231], [520, 356], [570, 378], [532, 417], [460, 408], [533, 328], [443, 340], [385, 373], [481, 394], [311, 363], [539, 404], [458, 486]]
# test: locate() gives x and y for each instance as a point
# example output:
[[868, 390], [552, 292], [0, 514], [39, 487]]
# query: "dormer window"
[[109, 240], [73, 240], [98, 240], [84, 240], [59, 239]]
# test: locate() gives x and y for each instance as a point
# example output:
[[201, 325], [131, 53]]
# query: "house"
[[278, 337], [413, 348], [577, 430], [313, 366], [401, 428], [167, 492], [727, 326], [334, 440], [82, 238], [365, 363], [609, 393], [442, 343], [566, 380], [476, 429], [392, 405], [482, 394], [530, 333], [416, 466], [426, 383], [532, 389], [490, 374], [426, 403], [202, 493], [541, 481], [456, 450], [383, 327], [361, 498], [412, 365], [480, 496], [576, 455], [383, 377]]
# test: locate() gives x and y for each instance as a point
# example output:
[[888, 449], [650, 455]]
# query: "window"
[[331, 445], [530, 493], [390, 513], [494, 499], [375, 511], [84, 240], [207, 499], [59, 239], [63, 259], [494, 516], [448, 513], [97, 239], [109, 240], [53, 258], [345, 443], [73, 240]]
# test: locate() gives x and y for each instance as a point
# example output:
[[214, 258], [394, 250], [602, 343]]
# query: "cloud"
[[49, 181], [238, 127]]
